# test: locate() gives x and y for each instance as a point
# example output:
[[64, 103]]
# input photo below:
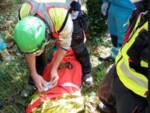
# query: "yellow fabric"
[[129, 83], [123, 58], [57, 16], [65, 104], [25, 10], [144, 64]]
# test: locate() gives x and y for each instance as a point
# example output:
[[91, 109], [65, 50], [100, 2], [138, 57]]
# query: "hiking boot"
[[88, 80]]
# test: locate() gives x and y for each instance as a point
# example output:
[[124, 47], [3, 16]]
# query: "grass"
[[14, 86]]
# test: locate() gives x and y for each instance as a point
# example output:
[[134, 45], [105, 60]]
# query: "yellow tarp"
[[65, 104]]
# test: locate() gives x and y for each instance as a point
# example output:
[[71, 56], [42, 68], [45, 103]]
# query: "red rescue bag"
[[70, 75]]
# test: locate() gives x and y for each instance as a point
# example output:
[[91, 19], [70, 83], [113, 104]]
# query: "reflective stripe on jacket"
[[134, 81]]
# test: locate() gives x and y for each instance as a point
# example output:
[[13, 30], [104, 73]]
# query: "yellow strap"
[[144, 64], [25, 10], [136, 25], [57, 16]]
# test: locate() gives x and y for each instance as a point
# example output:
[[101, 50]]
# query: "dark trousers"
[[82, 56], [126, 100], [79, 47]]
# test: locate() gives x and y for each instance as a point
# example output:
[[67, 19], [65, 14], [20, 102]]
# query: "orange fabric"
[[65, 74], [73, 75]]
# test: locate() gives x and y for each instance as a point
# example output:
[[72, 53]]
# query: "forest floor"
[[14, 88]]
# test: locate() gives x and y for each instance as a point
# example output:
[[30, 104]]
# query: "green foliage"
[[14, 89], [99, 73], [97, 22]]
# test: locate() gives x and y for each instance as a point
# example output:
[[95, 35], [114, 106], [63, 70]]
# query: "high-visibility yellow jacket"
[[55, 14], [131, 78]]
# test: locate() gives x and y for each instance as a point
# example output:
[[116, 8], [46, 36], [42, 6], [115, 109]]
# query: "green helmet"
[[30, 34]]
